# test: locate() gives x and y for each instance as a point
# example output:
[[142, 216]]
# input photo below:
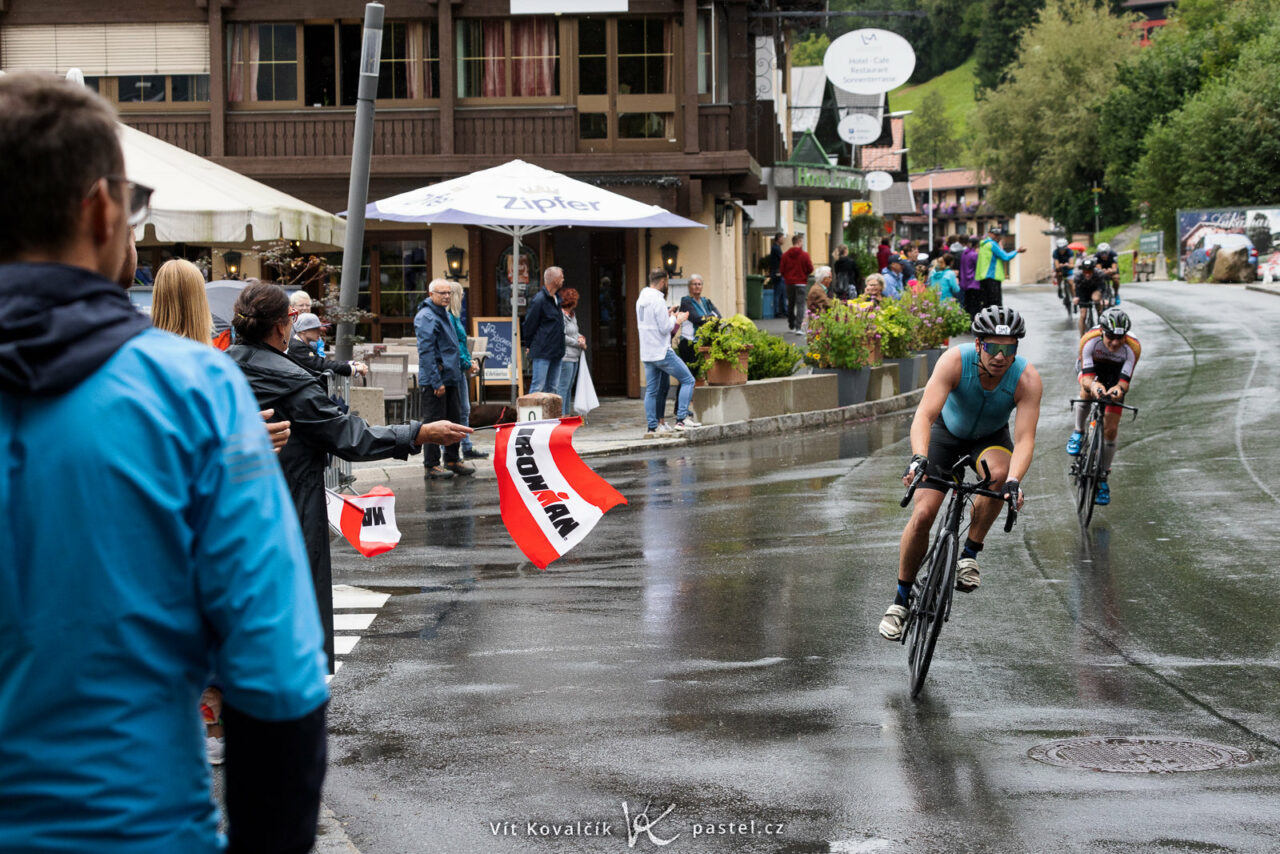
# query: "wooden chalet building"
[[654, 99]]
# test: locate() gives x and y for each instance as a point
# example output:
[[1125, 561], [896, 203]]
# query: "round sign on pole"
[[859, 129], [879, 181], [869, 62]]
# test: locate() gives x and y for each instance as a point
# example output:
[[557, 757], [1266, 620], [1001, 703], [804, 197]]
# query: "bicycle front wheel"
[[1090, 474], [931, 610]]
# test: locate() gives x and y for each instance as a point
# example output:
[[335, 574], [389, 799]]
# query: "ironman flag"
[[367, 521], [549, 499]]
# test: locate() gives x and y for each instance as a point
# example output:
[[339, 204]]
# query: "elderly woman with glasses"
[[264, 322], [574, 344]]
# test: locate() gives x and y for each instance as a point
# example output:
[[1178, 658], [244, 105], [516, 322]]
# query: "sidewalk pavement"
[[618, 426]]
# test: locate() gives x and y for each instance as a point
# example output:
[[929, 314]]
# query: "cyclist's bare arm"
[[1026, 400], [946, 376]]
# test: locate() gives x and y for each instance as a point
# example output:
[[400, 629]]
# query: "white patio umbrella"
[[518, 198], [198, 201]]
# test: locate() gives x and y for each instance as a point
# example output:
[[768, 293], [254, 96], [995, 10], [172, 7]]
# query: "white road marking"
[[354, 611], [352, 622]]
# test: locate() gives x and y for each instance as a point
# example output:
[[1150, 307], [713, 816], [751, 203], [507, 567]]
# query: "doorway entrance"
[[593, 263]]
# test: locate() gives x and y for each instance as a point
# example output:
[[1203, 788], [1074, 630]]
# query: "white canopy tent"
[[198, 201], [519, 198]]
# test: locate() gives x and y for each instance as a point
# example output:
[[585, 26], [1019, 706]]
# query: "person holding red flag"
[[263, 322]]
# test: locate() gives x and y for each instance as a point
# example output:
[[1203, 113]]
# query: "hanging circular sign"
[[869, 62], [859, 129], [879, 181]]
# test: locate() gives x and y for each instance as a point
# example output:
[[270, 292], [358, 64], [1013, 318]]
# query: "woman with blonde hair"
[[178, 302]]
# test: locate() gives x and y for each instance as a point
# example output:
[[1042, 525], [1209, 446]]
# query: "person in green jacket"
[[992, 258]]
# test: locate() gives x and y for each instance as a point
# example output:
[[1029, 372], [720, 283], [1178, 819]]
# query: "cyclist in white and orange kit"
[[1108, 356]]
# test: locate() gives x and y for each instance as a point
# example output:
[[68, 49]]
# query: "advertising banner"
[[1200, 231]]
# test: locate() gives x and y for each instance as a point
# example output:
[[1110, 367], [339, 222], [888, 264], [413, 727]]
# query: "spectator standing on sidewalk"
[[262, 323], [848, 279], [574, 344], [543, 333], [970, 290], [155, 546], [775, 277], [439, 375], [469, 369], [656, 322], [992, 269], [796, 267], [883, 251], [700, 309], [307, 332], [894, 278]]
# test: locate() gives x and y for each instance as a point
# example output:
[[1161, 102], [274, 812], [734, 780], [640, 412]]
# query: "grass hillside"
[[956, 88]]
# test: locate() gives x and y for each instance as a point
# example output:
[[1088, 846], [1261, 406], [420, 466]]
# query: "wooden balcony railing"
[[184, 131], [515, 132]]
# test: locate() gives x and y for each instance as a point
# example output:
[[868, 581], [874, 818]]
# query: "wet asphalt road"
[[712, 645]]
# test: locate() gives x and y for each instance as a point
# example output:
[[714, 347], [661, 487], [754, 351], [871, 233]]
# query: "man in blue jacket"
[[543, 332], [992, 270], [440, 376], [156, 549]]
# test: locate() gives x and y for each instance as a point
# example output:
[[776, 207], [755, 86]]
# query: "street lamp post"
[[358, 188]]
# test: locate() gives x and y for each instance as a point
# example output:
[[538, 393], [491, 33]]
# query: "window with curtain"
[[262, 62], [410, 67], [517, 57]]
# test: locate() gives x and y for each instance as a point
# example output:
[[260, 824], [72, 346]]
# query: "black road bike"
[[935, 582], [1086, 469], [1066, 290]]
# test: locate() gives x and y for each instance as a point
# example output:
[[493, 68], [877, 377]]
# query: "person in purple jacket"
[[970, 292]]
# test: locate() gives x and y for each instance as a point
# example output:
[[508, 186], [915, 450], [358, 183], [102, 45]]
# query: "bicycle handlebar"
[[978, 488], [1104, 401]]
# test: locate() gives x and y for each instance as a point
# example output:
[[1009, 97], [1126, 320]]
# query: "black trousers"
[[449, 408], [799, 304], [992, 292], [972, 300]]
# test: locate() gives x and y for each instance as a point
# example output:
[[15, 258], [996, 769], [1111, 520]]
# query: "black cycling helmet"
[[1089, 262], [1115, 322], [998, 320]]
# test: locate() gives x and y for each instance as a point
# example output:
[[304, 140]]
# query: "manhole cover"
[[1139, 755]]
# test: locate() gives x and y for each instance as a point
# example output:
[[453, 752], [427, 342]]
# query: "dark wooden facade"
[[719, 134]]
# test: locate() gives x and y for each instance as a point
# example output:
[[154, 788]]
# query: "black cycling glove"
[[1013, 489], [917, 463]]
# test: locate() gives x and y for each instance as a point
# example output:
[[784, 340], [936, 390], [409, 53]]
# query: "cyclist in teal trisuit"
[[965, 412]]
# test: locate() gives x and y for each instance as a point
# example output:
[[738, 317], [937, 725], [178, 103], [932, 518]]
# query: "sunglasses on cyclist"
[[1111, 337], [993, 349], [138, 197]]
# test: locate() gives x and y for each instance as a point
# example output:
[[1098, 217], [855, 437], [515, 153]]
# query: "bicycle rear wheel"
[[931, 610]]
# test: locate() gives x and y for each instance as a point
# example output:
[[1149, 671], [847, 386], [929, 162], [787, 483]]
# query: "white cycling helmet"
[[1062, 243], [1104, 247]]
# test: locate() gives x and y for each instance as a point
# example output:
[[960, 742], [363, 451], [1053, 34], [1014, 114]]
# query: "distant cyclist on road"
[[1063, 265], [1108, 355], [1109, 267], [965, 411], [1089, 284]]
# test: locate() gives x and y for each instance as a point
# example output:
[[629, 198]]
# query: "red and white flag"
[[549, 499], [367, 521]]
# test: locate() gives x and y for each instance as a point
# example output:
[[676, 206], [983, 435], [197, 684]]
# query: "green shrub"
[[840, 337], [771, 357]]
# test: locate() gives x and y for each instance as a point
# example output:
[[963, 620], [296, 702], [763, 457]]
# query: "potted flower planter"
[[932, 355], [722, 372], [912, 372], [851, 384]]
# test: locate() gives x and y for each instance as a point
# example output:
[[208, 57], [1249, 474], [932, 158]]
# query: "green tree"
[[999, 36], [1036, 134], [1203, 41], [811, 50], [932, 135], [1222, 147]]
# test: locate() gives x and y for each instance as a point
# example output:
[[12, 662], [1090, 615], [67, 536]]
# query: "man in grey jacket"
[[439, 376]]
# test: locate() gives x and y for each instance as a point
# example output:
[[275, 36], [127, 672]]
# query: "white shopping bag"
[[584, 393]]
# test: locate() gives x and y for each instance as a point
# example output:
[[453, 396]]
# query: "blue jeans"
[[464, 403], [568, 374], [779, 298], [670, 365], [546, 376]]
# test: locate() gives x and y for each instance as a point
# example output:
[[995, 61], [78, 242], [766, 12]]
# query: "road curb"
[[411, 470], [330, 837]]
